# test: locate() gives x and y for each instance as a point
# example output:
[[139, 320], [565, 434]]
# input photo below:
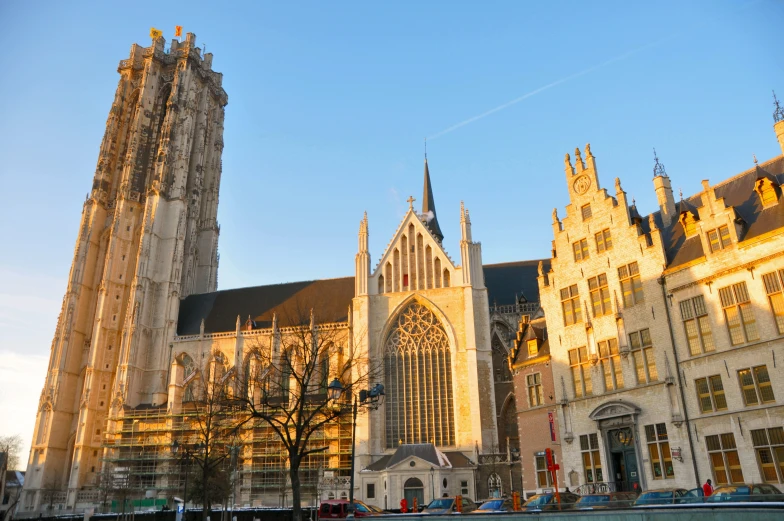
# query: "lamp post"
[[371, 398], [175, 447], [234, 451]]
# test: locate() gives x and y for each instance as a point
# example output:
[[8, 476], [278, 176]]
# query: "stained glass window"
[[418, 380]]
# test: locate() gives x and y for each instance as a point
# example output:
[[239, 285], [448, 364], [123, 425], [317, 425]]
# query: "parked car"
[[446, 505], [606, 500], [338, 509], [495, 505], [662, 496], [751, 492], [547, 502], [695, 495]]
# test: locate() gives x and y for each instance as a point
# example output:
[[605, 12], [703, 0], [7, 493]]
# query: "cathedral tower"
[[148, 237]]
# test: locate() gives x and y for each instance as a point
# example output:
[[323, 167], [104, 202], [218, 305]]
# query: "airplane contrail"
[[550, 86]]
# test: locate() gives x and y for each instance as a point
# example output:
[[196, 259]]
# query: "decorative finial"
[[425, 149], [680, 192], [658, 168], [778, 112], [618, 184], [634, 202], [540, 268], [555, 215], [410, 202], [755, 158]]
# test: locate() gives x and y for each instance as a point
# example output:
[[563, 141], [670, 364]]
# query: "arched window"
[[418, 380], [501, 372], [494, 485], [188, 365], [43, 424]]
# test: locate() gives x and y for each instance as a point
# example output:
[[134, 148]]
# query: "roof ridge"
[[746, 172]]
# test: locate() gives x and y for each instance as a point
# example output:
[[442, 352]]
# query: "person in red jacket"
[[707, 488]]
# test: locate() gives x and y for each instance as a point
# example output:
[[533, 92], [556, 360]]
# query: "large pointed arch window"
[[418, 380]]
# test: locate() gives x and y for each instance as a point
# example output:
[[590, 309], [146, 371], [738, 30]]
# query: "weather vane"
[[658, 168]]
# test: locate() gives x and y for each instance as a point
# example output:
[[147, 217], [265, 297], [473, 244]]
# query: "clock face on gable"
[[582, 184]]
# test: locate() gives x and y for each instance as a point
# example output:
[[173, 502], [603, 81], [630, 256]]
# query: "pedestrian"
[[707, 488]]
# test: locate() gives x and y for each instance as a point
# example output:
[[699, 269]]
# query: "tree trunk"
[[205, 504], [296, 495]]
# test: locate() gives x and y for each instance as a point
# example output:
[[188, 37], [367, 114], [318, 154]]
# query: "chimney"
[[666, 201], [779, 128], [778, 122]]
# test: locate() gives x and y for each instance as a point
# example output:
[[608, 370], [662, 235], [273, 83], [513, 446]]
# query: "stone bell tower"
[[148, 237]]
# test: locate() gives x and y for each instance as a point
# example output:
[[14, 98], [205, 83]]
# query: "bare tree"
[[285, 385], [210, 406], [11, 444]]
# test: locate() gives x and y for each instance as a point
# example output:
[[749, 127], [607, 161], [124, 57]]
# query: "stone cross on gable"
[[410, 202]]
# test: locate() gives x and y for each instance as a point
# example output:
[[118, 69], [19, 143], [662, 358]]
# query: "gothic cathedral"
[[142, 304]]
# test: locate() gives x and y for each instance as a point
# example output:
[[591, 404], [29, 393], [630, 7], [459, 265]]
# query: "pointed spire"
[[429, 207]]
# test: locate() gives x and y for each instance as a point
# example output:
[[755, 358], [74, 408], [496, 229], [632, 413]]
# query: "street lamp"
[[371, 398], [175, 447]]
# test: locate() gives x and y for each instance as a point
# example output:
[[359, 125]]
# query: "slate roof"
[[424, 451], [534, 329], [329, 298], [738, 192]]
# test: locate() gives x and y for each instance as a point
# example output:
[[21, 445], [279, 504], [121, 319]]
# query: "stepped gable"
[[330, 299], [737, 192]]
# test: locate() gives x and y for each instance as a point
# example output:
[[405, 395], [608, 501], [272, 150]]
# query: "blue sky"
[[329, 104]]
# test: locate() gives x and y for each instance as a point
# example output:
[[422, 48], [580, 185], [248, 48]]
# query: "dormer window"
[[767, 191], [719, 238], [586, 211], [533, 348], [689, 224]]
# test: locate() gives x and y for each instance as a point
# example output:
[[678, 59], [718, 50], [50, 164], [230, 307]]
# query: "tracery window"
[[418, 380], [494, 485], [187, 363]]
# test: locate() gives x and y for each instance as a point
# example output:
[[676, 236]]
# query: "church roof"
[[424, 451], [329, 299]]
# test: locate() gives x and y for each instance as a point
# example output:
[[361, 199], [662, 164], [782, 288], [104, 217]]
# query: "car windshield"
[[441, 503], [666, 494], [361, 507], [538, 500], [492, 505], [592, 500]]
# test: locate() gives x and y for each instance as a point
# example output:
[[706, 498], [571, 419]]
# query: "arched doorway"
[[617, 423], [413, 488]]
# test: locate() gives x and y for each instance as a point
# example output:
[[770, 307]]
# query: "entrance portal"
[[623, 458], [413, 488]]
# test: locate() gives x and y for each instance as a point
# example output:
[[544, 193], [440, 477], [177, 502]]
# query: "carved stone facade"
[[664, 330], [148, 237]]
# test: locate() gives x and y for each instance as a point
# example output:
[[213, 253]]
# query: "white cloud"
[[21, 380]]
